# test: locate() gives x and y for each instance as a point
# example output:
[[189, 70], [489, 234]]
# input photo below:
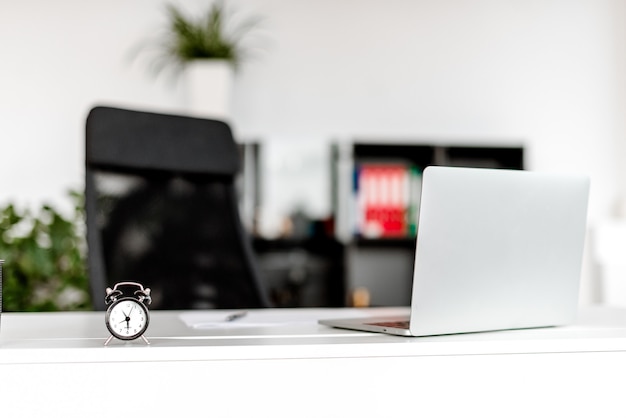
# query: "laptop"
[[496, 249]]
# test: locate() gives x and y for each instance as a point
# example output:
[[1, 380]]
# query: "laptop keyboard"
[[392, 324]]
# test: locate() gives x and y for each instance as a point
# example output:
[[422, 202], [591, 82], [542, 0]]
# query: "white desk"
[[56, 365]]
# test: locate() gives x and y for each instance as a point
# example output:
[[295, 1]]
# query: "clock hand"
[[128, 317]]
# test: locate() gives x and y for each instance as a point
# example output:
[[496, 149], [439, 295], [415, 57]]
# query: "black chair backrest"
[[161, 209]]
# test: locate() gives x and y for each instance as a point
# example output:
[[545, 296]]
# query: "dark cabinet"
[[376, 190]]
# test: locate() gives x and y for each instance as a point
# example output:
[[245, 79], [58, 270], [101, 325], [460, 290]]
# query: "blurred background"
[[546, 76]]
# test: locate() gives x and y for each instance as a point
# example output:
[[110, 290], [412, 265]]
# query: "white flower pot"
[[209, 88]]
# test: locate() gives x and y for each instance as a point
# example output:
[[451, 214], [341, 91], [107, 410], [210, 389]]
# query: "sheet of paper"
[[261, 318]]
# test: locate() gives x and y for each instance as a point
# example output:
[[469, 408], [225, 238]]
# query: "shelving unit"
[[379, 262], [303, 265]]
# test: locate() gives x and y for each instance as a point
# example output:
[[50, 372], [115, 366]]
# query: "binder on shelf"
[[387, 199], [415, 193]]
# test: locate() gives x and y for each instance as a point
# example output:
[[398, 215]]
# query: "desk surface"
[[281, 363], [281, 333]]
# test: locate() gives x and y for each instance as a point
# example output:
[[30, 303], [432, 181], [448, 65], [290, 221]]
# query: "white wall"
[[546, 72]]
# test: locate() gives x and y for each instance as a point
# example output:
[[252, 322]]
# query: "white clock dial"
[[127, 319]]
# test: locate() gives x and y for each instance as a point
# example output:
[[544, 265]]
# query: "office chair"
[[161, 209]]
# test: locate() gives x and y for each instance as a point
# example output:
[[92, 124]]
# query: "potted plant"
[[208, 49]]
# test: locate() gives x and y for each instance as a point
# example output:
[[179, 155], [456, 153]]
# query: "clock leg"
[[108, 340], [145, 340]]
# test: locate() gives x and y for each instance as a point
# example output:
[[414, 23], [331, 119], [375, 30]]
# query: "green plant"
[[45, 264], [212, 35]]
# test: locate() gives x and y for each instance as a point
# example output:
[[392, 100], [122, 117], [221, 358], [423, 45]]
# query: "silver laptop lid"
[[497, 249]]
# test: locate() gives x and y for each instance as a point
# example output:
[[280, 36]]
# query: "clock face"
[[127, 319]]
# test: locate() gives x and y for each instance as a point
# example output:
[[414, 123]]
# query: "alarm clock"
[[127, 317]]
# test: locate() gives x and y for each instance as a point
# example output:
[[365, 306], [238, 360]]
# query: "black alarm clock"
[[127, 317]]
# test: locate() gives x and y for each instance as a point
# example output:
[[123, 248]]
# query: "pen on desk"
[[235, 316]]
